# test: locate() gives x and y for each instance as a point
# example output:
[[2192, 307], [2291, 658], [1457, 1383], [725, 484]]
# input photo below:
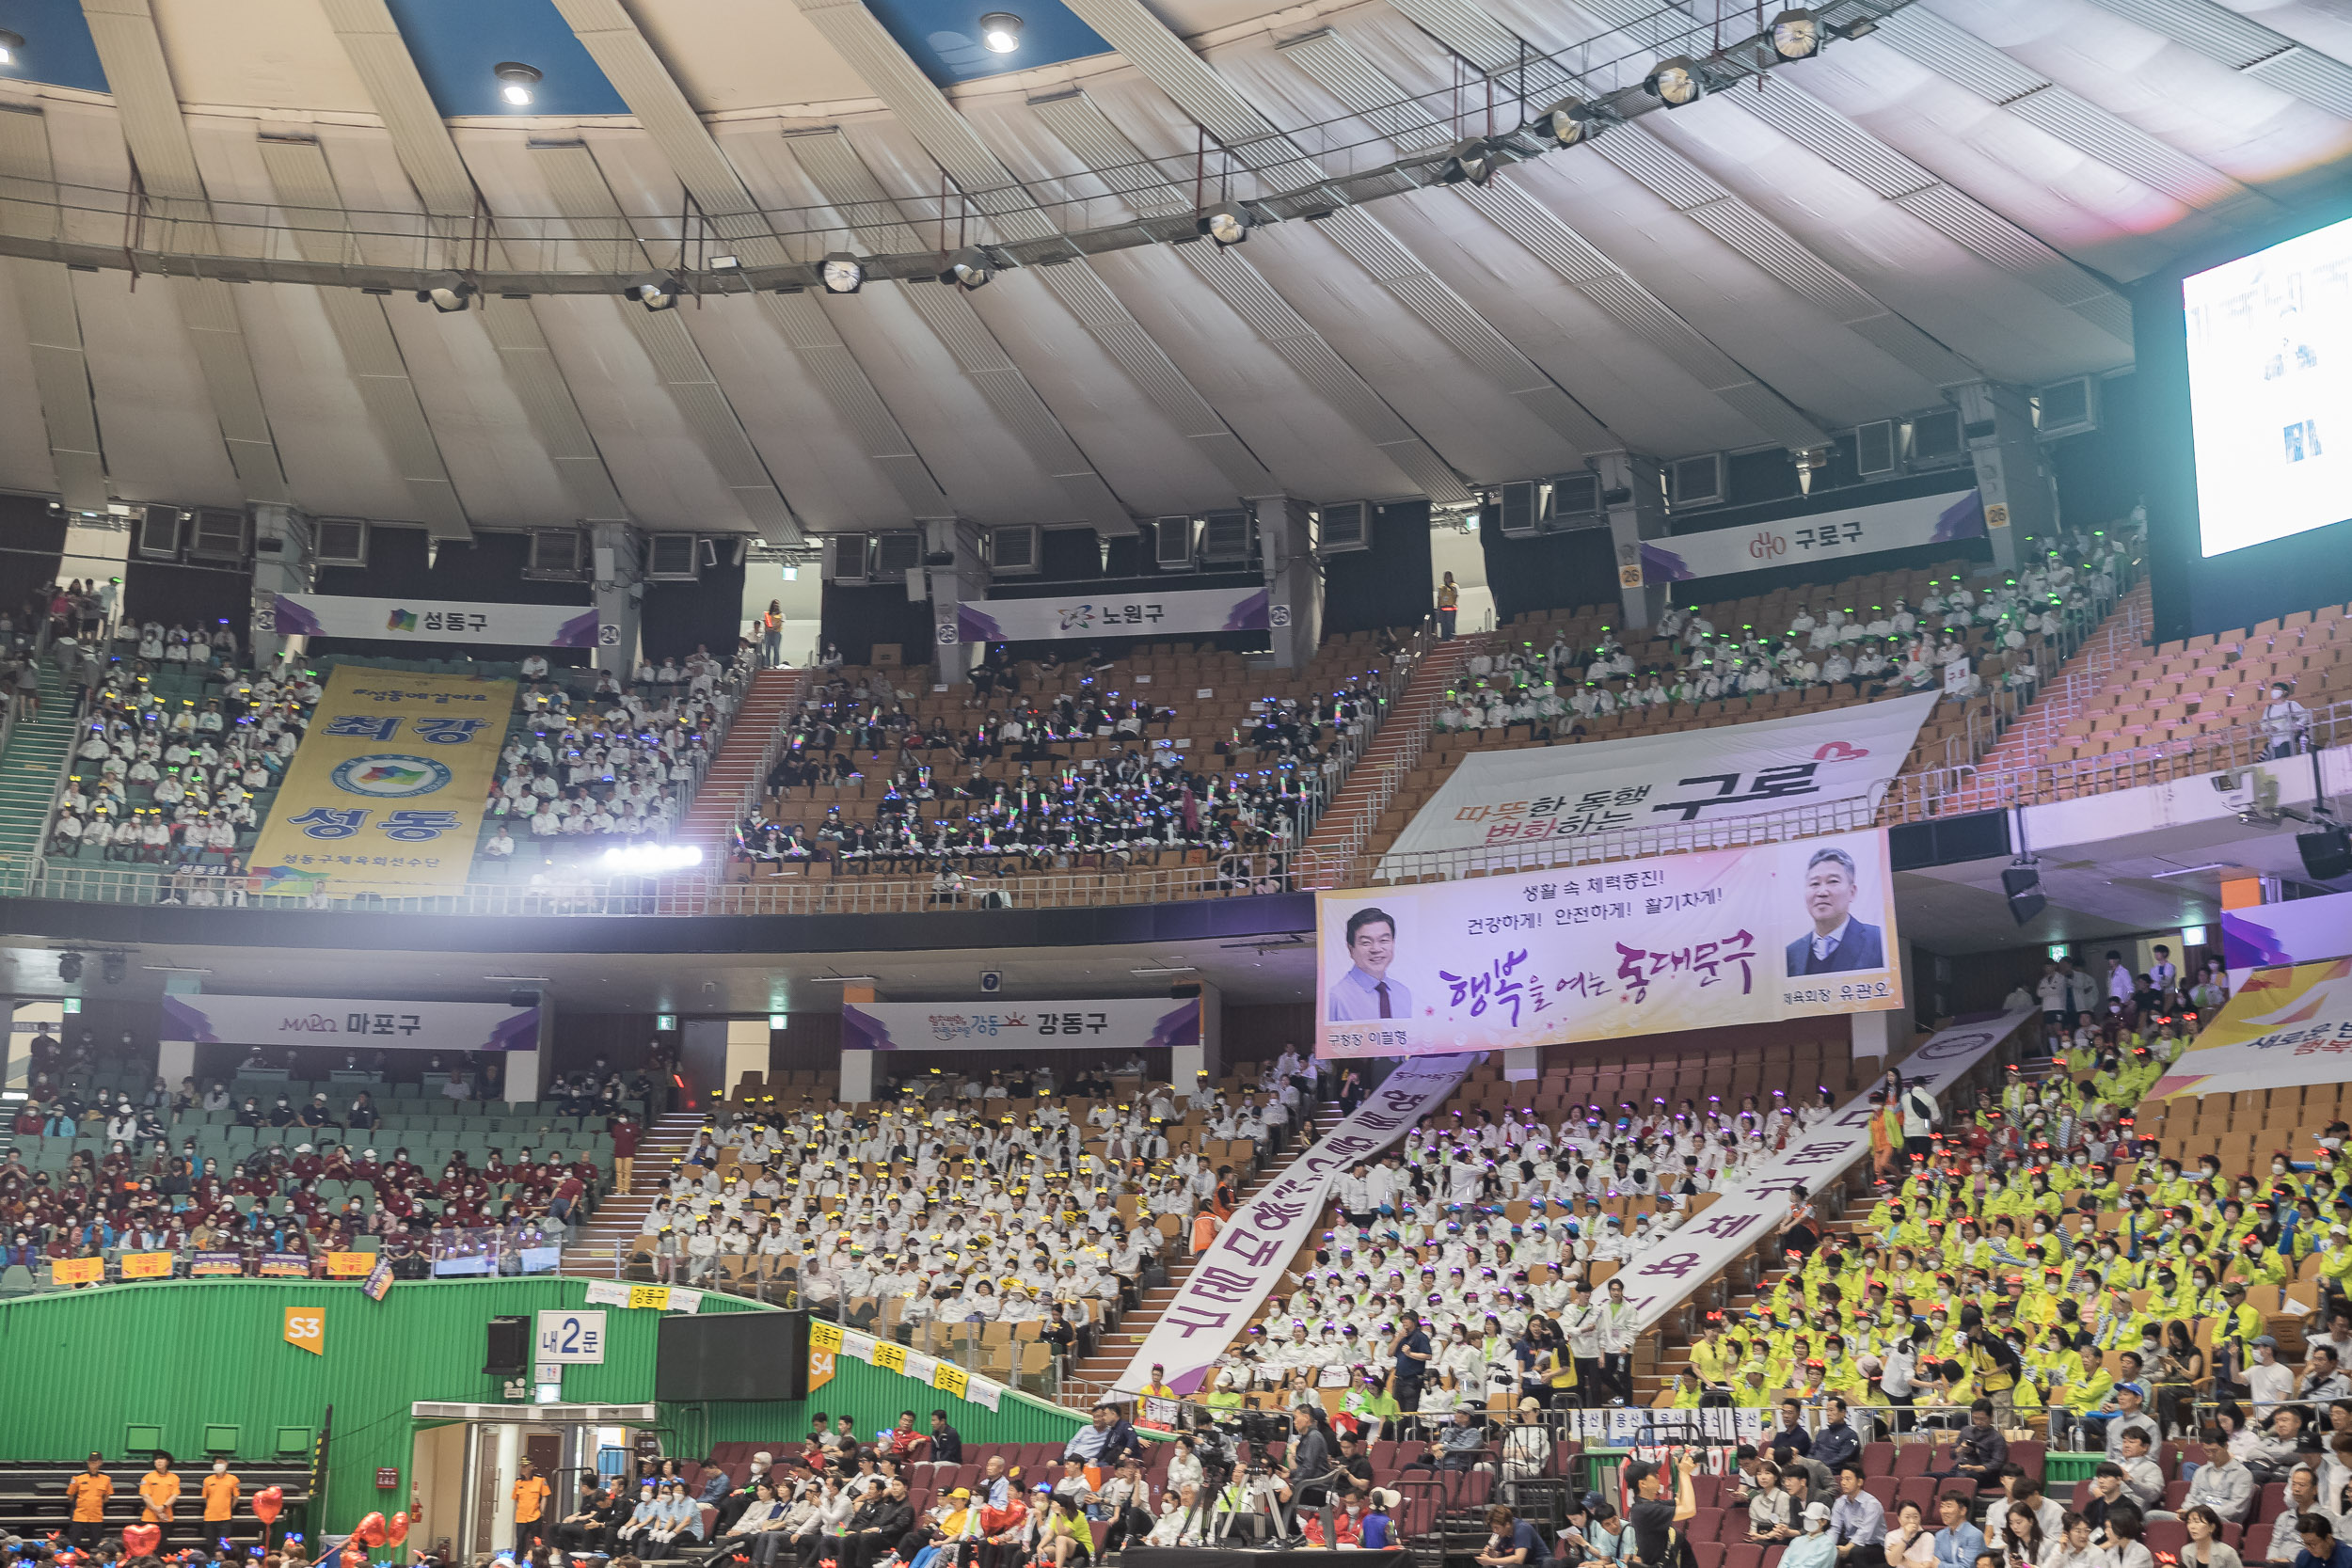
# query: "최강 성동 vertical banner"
[[387, 792], [1597, 952]]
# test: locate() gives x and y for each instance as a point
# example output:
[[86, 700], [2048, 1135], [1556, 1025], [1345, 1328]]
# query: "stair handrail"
[[56, 783], [756, 791]]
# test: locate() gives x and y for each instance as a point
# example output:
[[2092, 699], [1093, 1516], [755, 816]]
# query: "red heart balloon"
[[354, 1557], [371, 1530], [397, 1532], [139, 1540], [268, 1502]]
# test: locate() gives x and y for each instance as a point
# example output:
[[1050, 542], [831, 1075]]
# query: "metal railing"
[[455, 1255]]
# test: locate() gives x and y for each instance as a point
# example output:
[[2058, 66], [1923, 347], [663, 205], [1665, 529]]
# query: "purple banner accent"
[[1181, 1028], [578, 632], [974, 624], [1963, 519], [1664, 566], [182, 1021], [295, 620], [1250, 615], [2308, 930]]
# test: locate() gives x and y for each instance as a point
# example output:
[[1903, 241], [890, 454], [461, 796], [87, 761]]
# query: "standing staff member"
[[88, 1493], [160, 1489], [220, 1491], [530, 1498], [1449, 606], [1411, 1352]]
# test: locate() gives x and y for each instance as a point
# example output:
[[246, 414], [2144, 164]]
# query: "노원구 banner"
[[209, 1020], [1078, 616], [386, 791], [1661, 1275], [2281, 1027], [1798, 929], [1818, 536], [1117, 1025], [1246, 1261], [1520, 799], [502, 625]]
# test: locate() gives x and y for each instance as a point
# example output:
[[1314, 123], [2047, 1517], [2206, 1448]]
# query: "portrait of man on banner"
[[1366, 991], [1836, 940]]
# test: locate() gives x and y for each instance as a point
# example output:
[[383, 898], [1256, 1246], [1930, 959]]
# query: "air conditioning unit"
[[2067, 407], [1935, 435], [1343, 526], [558, 555], [895, 555], [220, 533], [1874, 448], [1171, 544], [159, 533], [1696, 481], [1574, 501], [672, 558], [1514, 507], [847, 556], [1012, 552], [342, 542], [1225, 539]]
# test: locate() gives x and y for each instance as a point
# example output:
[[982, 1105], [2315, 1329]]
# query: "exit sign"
[[386, 1477]]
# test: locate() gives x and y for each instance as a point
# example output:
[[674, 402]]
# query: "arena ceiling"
[[1955, 195]]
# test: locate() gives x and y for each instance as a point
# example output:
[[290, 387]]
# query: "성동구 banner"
[[1077, 616], [1518, 800], [1246, 1261], [1117, 1025], [1796, 930], [504, 626], [350, 1023], [2283, 1026], [386, 793], [1816, 536]]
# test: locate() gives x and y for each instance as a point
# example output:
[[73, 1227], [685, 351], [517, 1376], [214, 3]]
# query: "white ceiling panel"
[[335, 462], [162, 441]]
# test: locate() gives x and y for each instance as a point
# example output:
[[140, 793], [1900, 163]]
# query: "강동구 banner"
[[1818, 536], [1184, 612], [1635, 947], [504, 626], [1116, 1026]]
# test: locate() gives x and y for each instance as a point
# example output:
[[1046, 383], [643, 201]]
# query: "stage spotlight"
[[70, 968], [1472, 160], [448, 292], [970, 266], [1796, 34], [516, 81], [654, 291], [2022, 884], [1226, 223], [1675, 81], [1000, 32], [1567, 123], [842, 273], [11, 45], [112, 968]]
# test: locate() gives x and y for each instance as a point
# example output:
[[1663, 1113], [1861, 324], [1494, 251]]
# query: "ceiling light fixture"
[[842, 273], [848, 980], [971, 267], [726, 263], [1675, 81], [11, 45], [1000, 32], [1796, 34], [515, 82], [654, 291], [1472, 160], [448, 292], [1227, 223], [1167, 969], [1567, 123]]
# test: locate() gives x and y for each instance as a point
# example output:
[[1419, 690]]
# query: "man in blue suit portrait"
[[1838, 942]]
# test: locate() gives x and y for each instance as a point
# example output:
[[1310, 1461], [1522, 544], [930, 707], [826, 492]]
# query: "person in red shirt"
[[626, 1133], [569, 1193]]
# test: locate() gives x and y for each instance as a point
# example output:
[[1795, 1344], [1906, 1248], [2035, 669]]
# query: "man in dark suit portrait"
[[1838, 942]]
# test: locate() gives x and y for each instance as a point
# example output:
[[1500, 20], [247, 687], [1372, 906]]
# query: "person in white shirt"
[[2269, 1381]]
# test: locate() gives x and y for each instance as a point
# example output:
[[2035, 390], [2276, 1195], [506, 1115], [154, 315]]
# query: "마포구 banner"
[[2283, 1026], [1635, 947], [210, 1020], [1077, 616], [1816, 536], [1520, 798], [386, 791], [1246, 1261], [1118, 1025], [501, 626]]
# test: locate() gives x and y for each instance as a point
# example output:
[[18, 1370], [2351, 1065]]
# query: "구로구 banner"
[[210, 1020], [1638, 947], [386, 791], [1519, 800], [1816, 536], [1119, 1025], [2283, 1026], [1077, 617], [502, 625]]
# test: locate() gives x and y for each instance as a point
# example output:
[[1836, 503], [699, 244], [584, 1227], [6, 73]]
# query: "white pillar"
[[857, 1077], [1523, 1064], [1294, 585], [1185, 1063], [618, 555], [747, 1049], [1637, 511], [176, 1059], [2013, 474], [954, 570], [1872, 1033]]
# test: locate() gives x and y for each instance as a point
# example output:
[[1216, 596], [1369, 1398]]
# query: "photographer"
[[1260, 1489], [1655, 1520]]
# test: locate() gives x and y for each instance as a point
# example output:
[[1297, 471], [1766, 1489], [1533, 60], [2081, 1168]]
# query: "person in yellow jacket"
[[2257, 1264], [1684, 1393], [2335, 1256], [1709, 1358], [1749, 1393]]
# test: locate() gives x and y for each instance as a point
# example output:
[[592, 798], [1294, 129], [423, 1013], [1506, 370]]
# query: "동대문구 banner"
[[1634, 947]]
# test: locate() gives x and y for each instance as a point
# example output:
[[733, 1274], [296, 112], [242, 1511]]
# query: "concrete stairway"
[[2116, 645], [1346, 829], [28, 777], [620, 1218], [710, 822]]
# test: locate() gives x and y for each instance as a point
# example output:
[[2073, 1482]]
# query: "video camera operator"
[[1260, 1489]]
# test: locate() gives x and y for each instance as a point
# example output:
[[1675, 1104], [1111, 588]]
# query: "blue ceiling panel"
[[457, 42], [942, 36], [57, 47]]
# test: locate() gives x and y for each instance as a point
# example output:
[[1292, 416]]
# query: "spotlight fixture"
[[1000, 32], [842, 273], [653, 857], [725, 263], [1567, 122], [516, 80], [1796, 34], [112, 967], [970, 266], [1227, 223], [70, 967], [2022, 884], [1472, 160], [11, 45], [1675, 81], [448, 292], [654, 291]]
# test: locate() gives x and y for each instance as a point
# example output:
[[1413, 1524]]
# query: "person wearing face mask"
[[220, 1490]]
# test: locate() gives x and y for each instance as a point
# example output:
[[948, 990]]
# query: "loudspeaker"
[[1184, 991], [732, 1355], [2327, 853], [523, 998], [506, 1350], [2022, 884]]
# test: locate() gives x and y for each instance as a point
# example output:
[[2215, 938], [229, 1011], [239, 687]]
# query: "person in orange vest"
[[220, 1491], [1203, 1231], [531, 1500], [88, 1493], [160, 1490]]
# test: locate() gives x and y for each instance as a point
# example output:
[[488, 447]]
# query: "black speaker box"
[[2326, 854], [732, 1355], [507, 1347]]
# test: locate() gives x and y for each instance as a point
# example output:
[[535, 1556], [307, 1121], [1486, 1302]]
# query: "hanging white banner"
[[498, 626], [1816, 536], [210, 1020], [1076, 616]]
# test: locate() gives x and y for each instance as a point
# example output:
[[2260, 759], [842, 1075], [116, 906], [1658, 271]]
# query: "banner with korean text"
[[1834, 536], [1112, 1026], [1185, 611], [386, 791], [1246, 1261], [481, 626], [2283, 1026], [1660, 1275], [207, 1019], [1634, 947], [1520, 800]]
